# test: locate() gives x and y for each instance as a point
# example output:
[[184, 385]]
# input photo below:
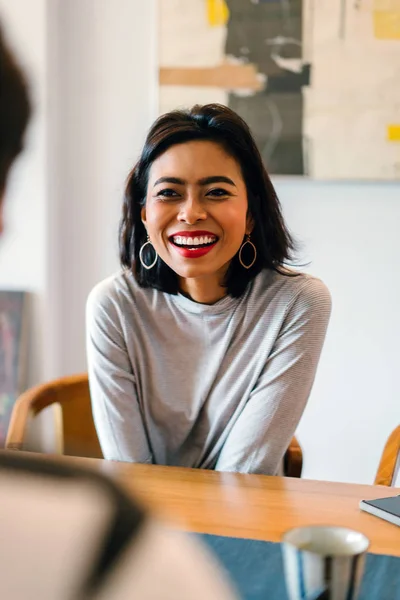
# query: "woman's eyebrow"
[[216, 179], [170, 180], [202, 181]]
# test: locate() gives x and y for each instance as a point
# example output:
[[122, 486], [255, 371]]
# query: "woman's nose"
[[191, 211]]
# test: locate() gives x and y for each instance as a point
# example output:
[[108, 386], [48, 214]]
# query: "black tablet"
[[385, 508]]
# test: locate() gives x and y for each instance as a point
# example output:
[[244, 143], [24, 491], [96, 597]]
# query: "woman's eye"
[[167, 193], [218, 193]]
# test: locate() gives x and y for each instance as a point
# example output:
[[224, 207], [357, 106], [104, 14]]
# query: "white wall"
[[350, 233], [93, 70]]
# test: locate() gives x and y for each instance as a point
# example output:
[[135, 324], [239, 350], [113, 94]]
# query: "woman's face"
[[196, 209]]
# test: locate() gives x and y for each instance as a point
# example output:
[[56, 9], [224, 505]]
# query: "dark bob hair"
[[219, 124]]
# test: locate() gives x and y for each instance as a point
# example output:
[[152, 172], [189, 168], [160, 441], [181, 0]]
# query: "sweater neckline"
[[221, 306]]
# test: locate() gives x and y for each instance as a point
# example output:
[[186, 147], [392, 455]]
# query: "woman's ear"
[[143, 215], [249, 224]]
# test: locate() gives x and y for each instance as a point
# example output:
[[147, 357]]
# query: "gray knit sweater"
[[220, 386]]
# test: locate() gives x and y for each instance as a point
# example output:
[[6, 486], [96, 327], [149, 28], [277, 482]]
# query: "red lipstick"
[[193, 234], [195, 250]]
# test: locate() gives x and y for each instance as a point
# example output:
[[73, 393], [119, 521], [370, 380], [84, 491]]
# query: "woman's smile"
[[193, 244]]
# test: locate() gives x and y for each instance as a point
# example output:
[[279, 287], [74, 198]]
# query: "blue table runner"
[[256, 569]]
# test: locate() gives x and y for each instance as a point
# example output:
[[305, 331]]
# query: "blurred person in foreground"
[[69, 533], [15, 110]]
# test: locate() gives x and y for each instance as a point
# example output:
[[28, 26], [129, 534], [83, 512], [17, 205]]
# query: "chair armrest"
[[293, 460], [23, 408], [389, 460]]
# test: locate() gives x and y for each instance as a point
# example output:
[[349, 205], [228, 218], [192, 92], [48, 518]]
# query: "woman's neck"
[[204, 290]]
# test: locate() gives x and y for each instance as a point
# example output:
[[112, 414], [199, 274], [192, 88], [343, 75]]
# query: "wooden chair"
[[293, 460], [76, 431], [390, 460]]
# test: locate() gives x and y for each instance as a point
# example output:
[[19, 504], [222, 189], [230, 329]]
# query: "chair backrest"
[[79, 436], [389, 465]]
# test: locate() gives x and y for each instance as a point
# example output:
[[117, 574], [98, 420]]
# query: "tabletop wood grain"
[[250, 506]]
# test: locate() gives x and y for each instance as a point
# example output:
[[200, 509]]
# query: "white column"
[[103, 81]]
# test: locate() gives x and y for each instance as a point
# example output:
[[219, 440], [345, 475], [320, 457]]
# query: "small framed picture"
[[13, 353]]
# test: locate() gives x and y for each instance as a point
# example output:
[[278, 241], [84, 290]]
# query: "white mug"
[[323, 562]]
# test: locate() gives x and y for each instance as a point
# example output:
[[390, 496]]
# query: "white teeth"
[[189, 241]]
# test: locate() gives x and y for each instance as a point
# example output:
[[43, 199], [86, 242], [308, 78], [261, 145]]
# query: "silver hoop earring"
[[248, 241], [141, 255]]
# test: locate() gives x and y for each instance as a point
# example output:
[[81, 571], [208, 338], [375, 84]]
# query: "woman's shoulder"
[[113, 292], [107, 288], [291, 287]]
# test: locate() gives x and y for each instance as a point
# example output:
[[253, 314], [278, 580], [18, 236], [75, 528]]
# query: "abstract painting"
[[318, 81], [13, 351]]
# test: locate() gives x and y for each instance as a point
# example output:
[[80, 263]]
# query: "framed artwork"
[[13, 353], [318, 81]]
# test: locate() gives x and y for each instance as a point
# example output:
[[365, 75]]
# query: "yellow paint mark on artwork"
[[217, 12], [393, 133], [386, 19]]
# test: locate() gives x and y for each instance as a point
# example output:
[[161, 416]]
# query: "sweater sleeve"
[[263, 430], [115, 405]]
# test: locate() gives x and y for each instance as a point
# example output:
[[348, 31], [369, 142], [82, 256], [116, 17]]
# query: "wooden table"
[[250, 506]]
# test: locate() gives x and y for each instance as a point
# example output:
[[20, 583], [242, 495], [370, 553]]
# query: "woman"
[[203, 350]]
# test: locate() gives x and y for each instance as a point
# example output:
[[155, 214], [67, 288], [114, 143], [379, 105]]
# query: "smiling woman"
[[203, 350]]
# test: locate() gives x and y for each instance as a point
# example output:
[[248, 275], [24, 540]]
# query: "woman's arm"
[[262, 432], [116, 410]]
